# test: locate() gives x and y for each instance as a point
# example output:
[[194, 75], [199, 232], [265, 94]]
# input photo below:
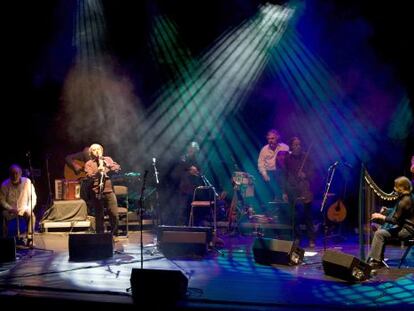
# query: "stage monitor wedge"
[[156, 288], [344, 266], [90, 247], [268, 251], [7, 249], [182, 242]]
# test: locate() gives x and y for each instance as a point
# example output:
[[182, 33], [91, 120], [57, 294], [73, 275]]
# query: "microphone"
[[333, 165], [155, 170]]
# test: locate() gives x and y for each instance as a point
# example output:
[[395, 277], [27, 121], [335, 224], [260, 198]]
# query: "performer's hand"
[[383, 210], [193, 171], [13, 210], [377, 216], [101, 167], [266, 177], [285, 197]]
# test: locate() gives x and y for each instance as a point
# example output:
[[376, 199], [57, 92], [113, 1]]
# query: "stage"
[[226, 278]]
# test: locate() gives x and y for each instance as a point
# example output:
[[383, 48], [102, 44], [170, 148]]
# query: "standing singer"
[[103, 196]]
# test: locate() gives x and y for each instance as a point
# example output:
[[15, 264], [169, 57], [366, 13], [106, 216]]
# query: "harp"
[[371, 198]]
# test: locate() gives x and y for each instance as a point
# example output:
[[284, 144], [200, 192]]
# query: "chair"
[[121, 193], [409, 243], [204, 197]]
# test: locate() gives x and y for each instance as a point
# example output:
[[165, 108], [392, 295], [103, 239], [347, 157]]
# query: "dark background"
[[37, 55]]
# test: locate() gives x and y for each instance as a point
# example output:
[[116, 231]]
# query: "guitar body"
[[69, 173], [337, 212]]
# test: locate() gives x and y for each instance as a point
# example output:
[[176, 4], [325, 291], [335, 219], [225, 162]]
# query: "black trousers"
[[109, 203]]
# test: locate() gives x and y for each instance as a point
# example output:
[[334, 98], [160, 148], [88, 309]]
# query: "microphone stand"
[[31, 222], [141, 213], [101, 185], [31, 219], [331, 173], [50, 198], [156, 218], [208, 184], [157, 206]]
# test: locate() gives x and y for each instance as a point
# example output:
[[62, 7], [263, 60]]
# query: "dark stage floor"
[[228, 278]]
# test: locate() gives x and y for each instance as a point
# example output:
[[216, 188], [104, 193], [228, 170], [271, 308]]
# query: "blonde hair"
[[403, 185], [95, 146]]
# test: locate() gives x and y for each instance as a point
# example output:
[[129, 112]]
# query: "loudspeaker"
[[178, 241], [84, 247], [7, 249], [159, 287], [345, 267], [271, 251]]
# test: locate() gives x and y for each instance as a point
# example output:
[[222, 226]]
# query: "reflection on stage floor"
[[224, 278]]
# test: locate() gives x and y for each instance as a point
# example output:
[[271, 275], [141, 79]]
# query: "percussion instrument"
[[67, 189], [242, 178]]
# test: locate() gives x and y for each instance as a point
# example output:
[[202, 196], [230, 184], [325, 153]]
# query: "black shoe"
[[376, 264]]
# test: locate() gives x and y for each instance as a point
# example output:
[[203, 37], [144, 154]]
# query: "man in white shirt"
[[266, 164], [18, 199]]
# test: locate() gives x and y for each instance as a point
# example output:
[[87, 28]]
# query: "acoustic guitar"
[[337, 211], [69, 173]]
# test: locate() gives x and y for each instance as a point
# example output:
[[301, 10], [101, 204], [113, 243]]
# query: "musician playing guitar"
[[75, 164], [401, 220]]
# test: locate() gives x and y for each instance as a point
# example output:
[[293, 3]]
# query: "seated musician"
[[400, 222], [17, 200]]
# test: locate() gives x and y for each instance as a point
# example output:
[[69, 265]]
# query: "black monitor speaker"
[[7, 249], [344, 266], [153, 287], [268, 251], [180, 241], [89, 246]]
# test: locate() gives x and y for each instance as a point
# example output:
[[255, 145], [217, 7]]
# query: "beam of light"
[[332, 119], [89, 34], [401, 121], [98, 103], [205, 94], [207, 90]]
